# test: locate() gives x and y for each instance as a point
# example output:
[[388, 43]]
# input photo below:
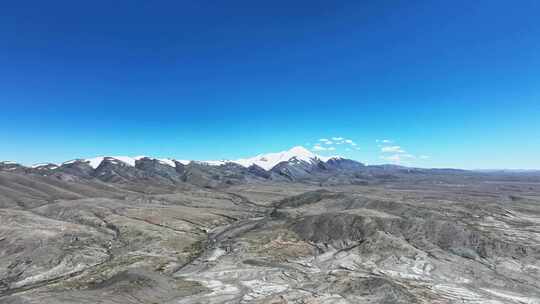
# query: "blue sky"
[[452, 83]]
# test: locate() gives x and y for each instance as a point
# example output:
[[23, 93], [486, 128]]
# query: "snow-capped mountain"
[[270, 160], [265, 161], [96, 161]]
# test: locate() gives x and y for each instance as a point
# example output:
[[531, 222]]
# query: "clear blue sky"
[[452, 83]]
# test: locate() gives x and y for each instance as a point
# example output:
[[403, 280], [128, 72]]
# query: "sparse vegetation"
[[402, 241]]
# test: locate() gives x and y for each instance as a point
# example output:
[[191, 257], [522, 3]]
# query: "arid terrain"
[[201, 233], [269, 152]]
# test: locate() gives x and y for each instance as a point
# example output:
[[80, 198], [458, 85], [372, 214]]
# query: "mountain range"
[[265, 161], [295, 165]]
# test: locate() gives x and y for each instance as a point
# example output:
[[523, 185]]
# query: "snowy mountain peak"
[[270, 160], [300, 151]]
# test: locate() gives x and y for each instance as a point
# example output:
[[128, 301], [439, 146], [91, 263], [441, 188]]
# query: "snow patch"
[[7, 162], [126, 159], [95, 162], [52, 166], [183, 161], [167, 161], [212, 162]]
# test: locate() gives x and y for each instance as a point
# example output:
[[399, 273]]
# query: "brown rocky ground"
[[420, 241]]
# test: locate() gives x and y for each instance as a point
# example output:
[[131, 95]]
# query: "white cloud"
[[396, 154], [334, 143], [392, 149], [350, 142], [318, 147], [398, 158]]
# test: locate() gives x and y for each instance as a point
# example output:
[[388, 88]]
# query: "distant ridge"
[[265, 161]]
